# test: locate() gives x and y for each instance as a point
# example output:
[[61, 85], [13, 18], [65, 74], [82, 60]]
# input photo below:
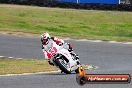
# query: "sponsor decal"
[[83, 78]]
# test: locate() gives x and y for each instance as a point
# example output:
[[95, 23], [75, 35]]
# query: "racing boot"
[[70, 47], [74, 55], [71, 51]]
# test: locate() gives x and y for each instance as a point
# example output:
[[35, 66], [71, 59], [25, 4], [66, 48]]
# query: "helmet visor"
[[44, 41]]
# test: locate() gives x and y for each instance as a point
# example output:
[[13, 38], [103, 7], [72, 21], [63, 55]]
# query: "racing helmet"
[[45, 38]]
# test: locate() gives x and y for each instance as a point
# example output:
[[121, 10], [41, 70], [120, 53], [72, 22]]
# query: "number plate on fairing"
[[51, 52]]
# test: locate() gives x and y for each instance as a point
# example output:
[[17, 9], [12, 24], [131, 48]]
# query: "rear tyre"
[[63, 68]]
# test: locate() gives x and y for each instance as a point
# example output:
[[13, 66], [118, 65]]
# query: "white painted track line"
[[98, 41], [23, 74]]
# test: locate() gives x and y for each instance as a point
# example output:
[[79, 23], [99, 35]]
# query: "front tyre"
[[77, 70], [62, 67]]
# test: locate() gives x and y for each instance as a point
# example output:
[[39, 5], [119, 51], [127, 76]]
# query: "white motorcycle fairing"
[[66, 60], [72, 65]]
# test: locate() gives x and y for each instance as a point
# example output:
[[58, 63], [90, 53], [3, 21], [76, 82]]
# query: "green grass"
[[90, 24], [17, 66]]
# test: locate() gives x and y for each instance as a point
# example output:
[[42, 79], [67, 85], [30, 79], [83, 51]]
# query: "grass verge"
[[18, 66], [90, 24]]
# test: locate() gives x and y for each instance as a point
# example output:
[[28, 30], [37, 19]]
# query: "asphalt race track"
[[109, 57]]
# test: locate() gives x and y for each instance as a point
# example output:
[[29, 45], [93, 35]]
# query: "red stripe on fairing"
[[57, 41]]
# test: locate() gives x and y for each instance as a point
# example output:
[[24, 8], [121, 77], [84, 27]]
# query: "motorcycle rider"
[[45, 40]]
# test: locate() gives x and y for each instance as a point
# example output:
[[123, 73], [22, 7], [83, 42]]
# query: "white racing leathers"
[[49, 45], [68, 64]]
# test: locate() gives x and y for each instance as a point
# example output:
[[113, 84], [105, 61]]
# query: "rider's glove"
[[50, 63]]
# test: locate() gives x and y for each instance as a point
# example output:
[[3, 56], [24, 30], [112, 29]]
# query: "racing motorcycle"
[[62, 58]]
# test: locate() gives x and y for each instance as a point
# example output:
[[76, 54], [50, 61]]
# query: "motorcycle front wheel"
[[62, 66]]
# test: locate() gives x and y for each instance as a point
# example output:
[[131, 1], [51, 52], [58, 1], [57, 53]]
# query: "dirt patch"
[[18, 33], [28, 34]]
